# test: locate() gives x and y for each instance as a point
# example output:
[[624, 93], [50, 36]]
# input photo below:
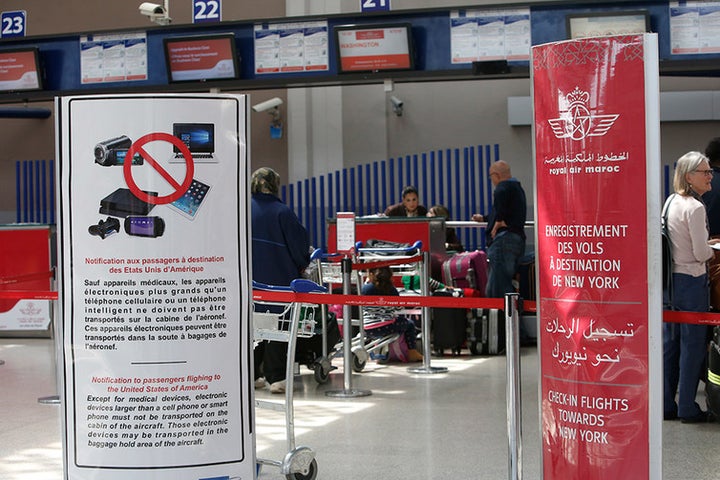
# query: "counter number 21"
[[13, 24], [206, 11], [374, 5]]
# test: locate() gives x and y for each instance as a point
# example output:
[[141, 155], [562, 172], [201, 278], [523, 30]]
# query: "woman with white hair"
[[685, 345]]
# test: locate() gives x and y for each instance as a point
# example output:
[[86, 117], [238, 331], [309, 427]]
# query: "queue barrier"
[[672, 316]]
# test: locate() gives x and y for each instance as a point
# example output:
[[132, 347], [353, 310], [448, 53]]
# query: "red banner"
[[592, 241]]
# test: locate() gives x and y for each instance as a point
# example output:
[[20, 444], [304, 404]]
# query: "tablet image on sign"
[[192, 199]]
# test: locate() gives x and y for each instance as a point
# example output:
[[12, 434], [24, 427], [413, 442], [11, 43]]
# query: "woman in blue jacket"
[[280, 253]]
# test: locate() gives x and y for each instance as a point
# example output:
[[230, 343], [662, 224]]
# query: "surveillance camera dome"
[[151, 9], [267, 104]]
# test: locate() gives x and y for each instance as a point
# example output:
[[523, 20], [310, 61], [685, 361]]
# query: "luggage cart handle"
[[318, 254], [299, 285], [417, 246]]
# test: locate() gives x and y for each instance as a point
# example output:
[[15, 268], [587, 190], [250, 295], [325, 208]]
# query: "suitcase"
[[466, 270], [712, 384], [448, 327], [486, 331]]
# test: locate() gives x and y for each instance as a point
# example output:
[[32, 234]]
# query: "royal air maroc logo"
[[30, 309], [576, 121]]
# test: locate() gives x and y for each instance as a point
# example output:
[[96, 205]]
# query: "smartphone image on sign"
[[141, 226], [190, 202]]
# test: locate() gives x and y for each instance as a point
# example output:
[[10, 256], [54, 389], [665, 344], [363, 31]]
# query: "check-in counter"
[[429, 230], [26, 263]]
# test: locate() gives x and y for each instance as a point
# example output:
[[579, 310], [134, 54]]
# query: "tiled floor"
[[439, 426]]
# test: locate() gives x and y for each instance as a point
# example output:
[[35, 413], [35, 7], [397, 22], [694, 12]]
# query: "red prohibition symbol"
[[179, 189]]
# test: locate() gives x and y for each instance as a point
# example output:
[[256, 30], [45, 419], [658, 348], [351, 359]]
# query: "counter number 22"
[[374, 5], [206, 11], [13, 24]]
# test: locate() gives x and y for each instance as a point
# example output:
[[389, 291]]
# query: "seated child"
[[380, 283]]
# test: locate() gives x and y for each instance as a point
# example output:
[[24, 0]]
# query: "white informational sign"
[[154, 287], [694, 27], [291, 47], [113, 58], [480, 35], [345, 232]]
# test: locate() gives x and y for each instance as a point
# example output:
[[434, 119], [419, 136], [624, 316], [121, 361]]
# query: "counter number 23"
[[13, 24], [206, 11]]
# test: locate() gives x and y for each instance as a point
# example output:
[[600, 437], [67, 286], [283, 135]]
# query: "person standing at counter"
[[409, 207], [505, 229], [684, 344], [280, 253]]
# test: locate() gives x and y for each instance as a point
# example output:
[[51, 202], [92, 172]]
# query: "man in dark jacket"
[[281, 251], [505, 229], [505, 234]]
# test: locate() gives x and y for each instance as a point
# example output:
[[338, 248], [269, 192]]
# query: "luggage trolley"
[[285, 322], [330, 274], [407, 263]]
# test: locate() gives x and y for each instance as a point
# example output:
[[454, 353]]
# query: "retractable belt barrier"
[[27, 294], [699, 318], [383, 301], [26, 277]]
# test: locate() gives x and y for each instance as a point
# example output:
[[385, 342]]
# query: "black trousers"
[[270, 360]]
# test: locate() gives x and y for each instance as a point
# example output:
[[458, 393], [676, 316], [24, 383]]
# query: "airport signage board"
[[154, 287], [597, 193]]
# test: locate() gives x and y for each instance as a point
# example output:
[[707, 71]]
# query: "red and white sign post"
[[597, 205]]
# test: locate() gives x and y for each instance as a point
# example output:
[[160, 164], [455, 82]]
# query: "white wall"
[[439, 115]]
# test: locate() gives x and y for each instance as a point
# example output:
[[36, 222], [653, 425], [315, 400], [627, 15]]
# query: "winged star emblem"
[[30, 309], [577, 122]]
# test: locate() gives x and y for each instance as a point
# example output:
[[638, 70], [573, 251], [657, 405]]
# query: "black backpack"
[[667, 258]]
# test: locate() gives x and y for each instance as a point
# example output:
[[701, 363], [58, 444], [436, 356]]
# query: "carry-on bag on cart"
[[448, 327], [310, 348], [486, 331], [466, 270]]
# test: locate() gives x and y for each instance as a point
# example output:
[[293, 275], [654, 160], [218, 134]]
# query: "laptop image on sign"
[[200, 140]]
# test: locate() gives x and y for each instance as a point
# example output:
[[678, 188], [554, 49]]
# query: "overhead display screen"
[[20, 70], [373, 48], [201, 58]]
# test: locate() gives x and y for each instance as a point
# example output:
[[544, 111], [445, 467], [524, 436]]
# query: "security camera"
[[151, 9], [397, 105], [268, 104], [157, 13]]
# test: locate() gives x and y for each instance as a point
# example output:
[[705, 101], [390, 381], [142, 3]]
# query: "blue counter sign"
[[206, 11], [374, 6], [13, 24]]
